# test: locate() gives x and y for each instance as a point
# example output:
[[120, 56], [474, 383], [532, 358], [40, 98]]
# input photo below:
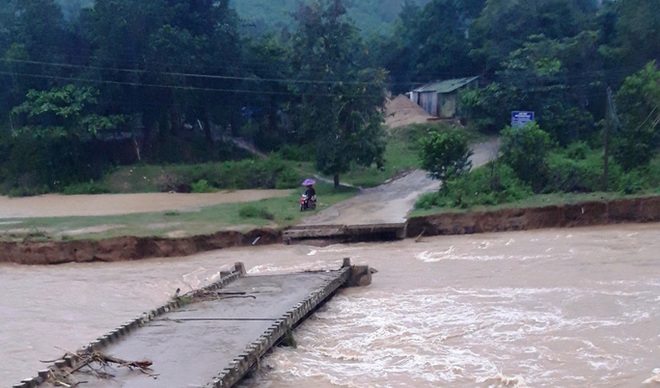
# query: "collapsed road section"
[[211, 337]]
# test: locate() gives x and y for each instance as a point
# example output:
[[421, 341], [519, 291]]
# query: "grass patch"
[[273, 212], [271, 173], [253, 211], [539, 200]]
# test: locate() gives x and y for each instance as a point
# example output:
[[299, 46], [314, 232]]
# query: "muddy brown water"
[[556, 307]]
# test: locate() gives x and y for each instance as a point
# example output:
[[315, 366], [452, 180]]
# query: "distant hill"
[[71, 8], [370, 16]]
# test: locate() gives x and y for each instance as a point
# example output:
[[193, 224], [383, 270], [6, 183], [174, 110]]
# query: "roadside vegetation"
[[127, 96], [620, 157], [273, 213]]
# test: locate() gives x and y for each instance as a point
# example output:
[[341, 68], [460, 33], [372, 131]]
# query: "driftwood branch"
[[92, 363]]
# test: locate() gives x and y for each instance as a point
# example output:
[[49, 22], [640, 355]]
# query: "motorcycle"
[[307, 203]]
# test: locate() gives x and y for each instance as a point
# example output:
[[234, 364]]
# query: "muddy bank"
[[129, 248], [635, 210]]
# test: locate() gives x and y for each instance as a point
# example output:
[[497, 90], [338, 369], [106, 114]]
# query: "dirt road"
[[389, 203], [53, 205]]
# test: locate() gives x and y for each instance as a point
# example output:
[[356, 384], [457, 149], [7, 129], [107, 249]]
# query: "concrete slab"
[[202, 343]]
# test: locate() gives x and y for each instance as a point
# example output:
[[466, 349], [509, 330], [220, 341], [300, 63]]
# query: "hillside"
[[370, 16]]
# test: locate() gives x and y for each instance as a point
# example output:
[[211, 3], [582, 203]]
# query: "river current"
[[556, 307]]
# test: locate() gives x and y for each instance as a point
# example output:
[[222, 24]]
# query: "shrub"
[[90, 187], [252, 211], [490, 185], [578, 150], [582, 174], [305, 153], [632, 182], [445, 155], [526, 150], [202, 186]]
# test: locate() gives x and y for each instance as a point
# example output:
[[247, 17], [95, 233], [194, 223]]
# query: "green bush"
[[252, 211], [582, 174], [526, 150], [304, 153], [232, 175], [632, 182], [202, 186], [490, 185], [287, 179], [90, 187], [445, 155], [578, 150]]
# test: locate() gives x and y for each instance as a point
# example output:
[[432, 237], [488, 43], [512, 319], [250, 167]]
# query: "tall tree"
[[638, 31], [340, 102], [53, 132], [172, 64], [430, 43], [638, 102], [268, 70], [32, 42], [555, 78], [504, 25]]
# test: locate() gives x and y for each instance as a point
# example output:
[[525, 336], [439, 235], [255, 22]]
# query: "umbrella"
[[308, 182]]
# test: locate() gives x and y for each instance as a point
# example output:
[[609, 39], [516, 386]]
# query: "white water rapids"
[[557, 307]]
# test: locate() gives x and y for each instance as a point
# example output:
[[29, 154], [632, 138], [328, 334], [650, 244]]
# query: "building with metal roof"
[[439, 98]]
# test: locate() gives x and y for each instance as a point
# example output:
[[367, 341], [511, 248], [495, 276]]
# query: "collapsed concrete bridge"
[[210, 337]]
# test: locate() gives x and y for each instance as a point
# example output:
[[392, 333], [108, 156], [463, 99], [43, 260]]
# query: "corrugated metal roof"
[[445, 86]]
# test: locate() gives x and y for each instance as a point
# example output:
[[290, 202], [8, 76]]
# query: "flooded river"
[[558, 307]]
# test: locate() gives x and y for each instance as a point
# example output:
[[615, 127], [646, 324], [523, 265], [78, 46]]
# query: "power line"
[[189, 75], [162, 86]]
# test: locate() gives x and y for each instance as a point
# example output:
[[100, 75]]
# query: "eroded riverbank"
[[634, 210], [569, 307]]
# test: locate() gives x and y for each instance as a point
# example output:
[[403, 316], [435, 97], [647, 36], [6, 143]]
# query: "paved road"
[[391, 202]]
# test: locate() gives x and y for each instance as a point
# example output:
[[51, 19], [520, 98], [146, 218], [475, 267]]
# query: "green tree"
[[33, 35], [53, 133], [429, 43], [552, 77], [267, 68], [638, 102], [445, 155], [171, 65], [63, 112], [637, 31], [505, 25], [526, 150], [341, 103]]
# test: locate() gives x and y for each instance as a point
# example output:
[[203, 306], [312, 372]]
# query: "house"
[[439, 98]]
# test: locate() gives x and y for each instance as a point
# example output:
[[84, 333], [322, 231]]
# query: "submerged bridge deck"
[[209, 338]]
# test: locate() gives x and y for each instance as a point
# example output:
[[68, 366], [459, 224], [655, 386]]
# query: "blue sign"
[[520, 118]]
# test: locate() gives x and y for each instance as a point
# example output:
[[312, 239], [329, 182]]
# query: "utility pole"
[[606, 140], [611, 120]]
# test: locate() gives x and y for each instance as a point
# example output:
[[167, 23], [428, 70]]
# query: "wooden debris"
[[94, 363]]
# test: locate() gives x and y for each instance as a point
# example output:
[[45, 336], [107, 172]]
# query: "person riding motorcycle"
[[308, 200], [311, 193]]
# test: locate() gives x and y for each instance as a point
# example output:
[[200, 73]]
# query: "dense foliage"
[[445, 155], [371, 16], [86, 85]]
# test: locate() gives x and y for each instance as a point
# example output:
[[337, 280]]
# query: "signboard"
[[520, 118]]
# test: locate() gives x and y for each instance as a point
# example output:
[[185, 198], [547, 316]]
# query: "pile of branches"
[[93, 363]]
